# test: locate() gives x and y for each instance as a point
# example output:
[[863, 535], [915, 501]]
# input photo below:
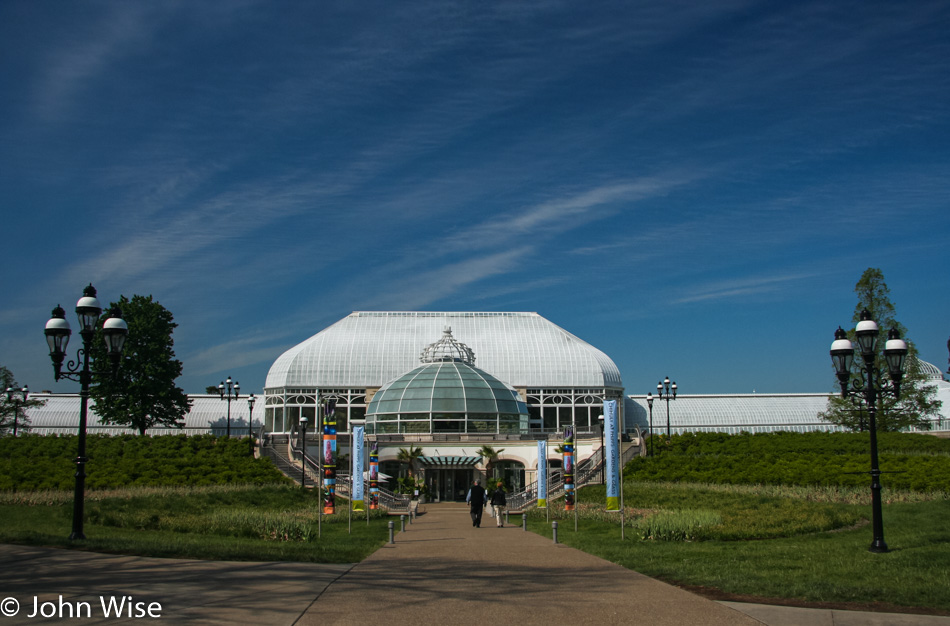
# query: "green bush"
[[909, 461], [36, 462]]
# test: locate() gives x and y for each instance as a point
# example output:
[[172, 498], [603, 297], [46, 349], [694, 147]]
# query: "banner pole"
[[319, 419], [620, 470]]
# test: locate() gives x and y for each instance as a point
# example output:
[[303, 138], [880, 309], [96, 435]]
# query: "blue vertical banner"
[[611, 455], [356, 472], [542, 474]]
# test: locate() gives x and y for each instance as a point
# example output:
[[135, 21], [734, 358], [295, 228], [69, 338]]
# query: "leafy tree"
[[14, 412], [917, 401], [409, 455], [142, 393], [212, 390]]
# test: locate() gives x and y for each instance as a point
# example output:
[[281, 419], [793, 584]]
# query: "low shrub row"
[[37, 463], [909, 461], [691, 512]]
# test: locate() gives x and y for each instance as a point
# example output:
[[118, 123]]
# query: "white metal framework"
[[365, 350]]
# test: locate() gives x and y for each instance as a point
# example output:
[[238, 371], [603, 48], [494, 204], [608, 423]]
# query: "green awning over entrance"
[[449, 461]]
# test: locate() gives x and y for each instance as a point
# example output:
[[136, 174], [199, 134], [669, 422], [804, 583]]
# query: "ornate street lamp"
[[650, 406], [229, 392], [867, 388], [114, 332], [250, 421], [18, 398], [670, 394]]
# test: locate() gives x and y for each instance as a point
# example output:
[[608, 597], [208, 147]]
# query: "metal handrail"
[[584, 472], [393, 502]]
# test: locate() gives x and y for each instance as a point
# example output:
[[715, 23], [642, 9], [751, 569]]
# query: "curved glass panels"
[[446, 397], [368, 348]]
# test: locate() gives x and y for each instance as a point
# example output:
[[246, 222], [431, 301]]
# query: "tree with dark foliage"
[[142, 393]]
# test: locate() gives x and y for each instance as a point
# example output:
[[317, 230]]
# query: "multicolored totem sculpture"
[[568, 470], [374, 478], [329, 457]]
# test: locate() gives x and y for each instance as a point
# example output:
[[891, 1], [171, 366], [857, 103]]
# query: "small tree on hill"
[[918, 400], [142, 393], [13, 413]]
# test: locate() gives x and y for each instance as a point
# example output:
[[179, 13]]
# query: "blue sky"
[[692, 187]]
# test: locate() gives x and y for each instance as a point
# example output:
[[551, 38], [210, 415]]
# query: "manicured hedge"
[[37, 462], [909, 461]]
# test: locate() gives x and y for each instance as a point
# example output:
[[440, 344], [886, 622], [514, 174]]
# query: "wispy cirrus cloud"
[[406, 289], [742, 287], [562, 214]]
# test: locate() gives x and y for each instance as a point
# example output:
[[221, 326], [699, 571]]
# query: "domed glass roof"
[[929, 370], [368, 348], [446, 387], [446, 394]]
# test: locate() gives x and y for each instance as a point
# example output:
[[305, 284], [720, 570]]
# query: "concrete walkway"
[[441, 570]]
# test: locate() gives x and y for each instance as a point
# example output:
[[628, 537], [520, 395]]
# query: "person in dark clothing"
[[476, 501], [498, 503]]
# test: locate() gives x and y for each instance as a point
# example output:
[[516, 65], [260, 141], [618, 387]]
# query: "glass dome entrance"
[[447, 394]]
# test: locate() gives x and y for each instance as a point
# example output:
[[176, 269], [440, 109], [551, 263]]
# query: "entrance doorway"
[[449, 484]]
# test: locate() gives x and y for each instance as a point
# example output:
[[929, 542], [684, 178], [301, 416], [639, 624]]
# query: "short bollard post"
[[506, 516], [402, 523], [554, 529], [392, 526], [524, 522], [412, 516]]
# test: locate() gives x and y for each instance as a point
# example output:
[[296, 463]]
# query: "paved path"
[[445, 570], [441, 570]]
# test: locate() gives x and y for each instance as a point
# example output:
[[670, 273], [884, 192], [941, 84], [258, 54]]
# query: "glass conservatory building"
[[492, 379], [561, 379]]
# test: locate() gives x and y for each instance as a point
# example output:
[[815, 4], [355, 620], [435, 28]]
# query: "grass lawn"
[[747, 555], [249, 523]]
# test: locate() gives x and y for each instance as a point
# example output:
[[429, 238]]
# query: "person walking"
[[498, 503], [476, 501]]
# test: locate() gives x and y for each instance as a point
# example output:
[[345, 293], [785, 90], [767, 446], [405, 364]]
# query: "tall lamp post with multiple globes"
[[867, 388], [17, 397], [650, 406], [670, 390], [114, 332], [229, 390]]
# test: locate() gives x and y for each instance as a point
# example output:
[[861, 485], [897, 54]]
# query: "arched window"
[[511, 473]]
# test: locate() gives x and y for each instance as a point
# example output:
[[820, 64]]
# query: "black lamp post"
[[114, 331], [867, 388], [660, 388], [303, 456], [650, 406], [18, 398], [229, 392], [250, 421]]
